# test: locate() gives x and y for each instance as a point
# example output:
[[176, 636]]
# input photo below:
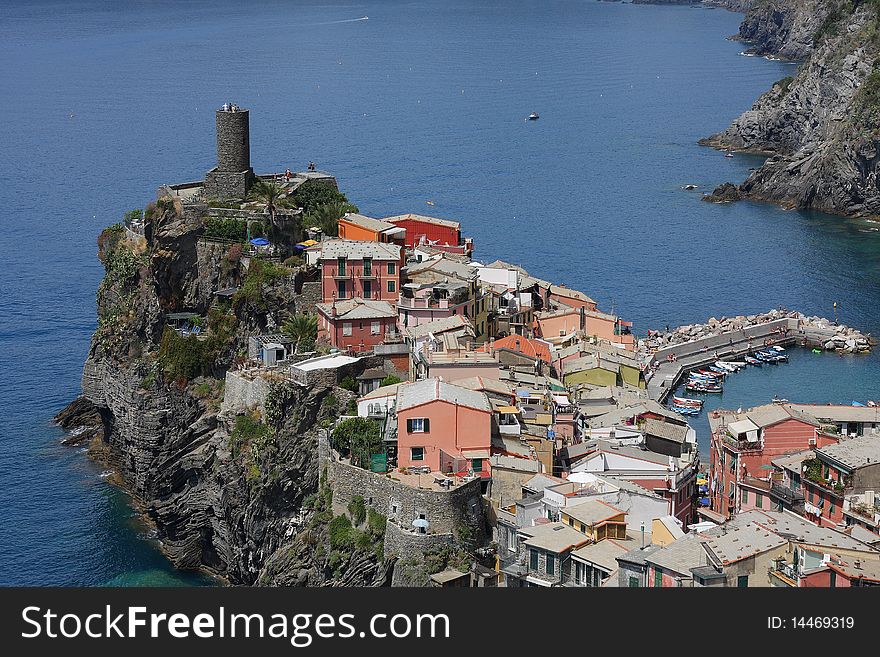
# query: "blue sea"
[[104, 101]]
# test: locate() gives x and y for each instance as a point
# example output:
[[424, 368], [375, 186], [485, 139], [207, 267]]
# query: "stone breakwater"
[[812, 331]]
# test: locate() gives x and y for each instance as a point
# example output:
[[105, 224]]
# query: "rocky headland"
[[237, 496], [819, 127]]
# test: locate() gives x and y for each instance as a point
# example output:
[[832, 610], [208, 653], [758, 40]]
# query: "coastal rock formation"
[[818, 128], [230, 495]]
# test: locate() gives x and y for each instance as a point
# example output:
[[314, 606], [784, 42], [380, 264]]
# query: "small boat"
[[751, 360], [718, 370], [777, 400], [777, 348], [738, 364], [533, 116], [686, 410], [687, 401], [702, 388], [728, 154], [817, 351]]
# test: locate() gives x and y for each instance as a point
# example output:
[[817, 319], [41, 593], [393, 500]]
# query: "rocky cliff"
[[238, 497], [819, 128]]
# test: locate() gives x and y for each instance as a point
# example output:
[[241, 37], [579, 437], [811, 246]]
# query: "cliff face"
[[819, 127], [222, 500]]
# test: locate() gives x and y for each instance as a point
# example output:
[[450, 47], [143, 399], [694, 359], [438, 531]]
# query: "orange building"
[[445, 427], [359, 227]]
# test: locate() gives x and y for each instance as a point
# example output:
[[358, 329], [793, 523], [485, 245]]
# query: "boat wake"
[[346, 20]]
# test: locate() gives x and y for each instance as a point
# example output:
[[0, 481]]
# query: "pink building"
[[357, 324], [444, 427], [358, 269]]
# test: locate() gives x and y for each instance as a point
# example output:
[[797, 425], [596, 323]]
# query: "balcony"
[[786, 494], [422, 303], [368, 273], [785, 573], [342, 273], [741, 445]]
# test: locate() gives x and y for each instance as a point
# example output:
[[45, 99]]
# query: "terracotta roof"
[[530, 347]]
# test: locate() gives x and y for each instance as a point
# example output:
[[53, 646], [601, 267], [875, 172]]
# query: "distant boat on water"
[[533, 116]]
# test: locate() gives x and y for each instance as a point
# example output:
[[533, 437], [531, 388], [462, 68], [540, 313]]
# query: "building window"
[[745, 496], [368, 266], [418, 425], [368, 288], [391, 286], [340, 266], [742, 581], [391, 270], [832, 579], [340, 290], [658, 579], [477, 465], [551, 564], [533, 559], [346, 328], [759, 501], [417, 453], [375, 328]]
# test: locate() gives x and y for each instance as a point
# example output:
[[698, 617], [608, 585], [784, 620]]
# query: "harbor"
[[735, 339]]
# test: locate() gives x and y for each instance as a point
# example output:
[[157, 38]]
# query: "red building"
[[744, 444], [359, 269], [430, 231], [357, 324]]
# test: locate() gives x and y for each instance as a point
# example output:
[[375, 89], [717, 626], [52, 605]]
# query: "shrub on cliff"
[[260, 274], [357, 509], [182, 357], [226, 229]]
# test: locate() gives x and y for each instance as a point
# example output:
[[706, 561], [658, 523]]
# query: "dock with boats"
[[706, 359]]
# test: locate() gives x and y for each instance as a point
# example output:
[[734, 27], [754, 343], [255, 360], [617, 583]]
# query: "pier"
[[664, 375]]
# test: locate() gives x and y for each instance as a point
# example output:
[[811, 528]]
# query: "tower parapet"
[[233, 175]]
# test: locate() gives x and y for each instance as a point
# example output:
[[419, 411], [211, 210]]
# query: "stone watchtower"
[[233, 175]]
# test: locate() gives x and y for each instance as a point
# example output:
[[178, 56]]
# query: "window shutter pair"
[[426, 425]]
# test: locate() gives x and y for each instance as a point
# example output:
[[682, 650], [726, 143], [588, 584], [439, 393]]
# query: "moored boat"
[[687, 401]]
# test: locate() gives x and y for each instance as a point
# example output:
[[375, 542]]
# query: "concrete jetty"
[[695, 346]]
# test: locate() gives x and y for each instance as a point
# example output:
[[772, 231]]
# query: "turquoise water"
[[105, 101]]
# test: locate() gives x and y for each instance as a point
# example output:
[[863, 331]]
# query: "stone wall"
[[458, 512]]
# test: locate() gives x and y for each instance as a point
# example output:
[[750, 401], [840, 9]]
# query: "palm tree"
[[271, 195], [302, 328]]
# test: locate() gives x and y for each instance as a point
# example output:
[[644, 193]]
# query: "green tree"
[[390, 380], [302, 328], [309, 197], [359, 437]]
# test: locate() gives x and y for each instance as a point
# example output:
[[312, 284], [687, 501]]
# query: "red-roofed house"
[[439, 233]]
